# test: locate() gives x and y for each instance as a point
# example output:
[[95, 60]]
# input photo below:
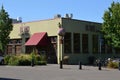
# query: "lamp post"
[[61, 33]]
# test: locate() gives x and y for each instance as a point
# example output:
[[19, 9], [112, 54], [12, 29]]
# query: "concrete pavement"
[[53, 72]]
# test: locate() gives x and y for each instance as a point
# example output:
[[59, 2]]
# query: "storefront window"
[[103, 46], [85, 43], [76, 42], [95, 43], [67, 43]]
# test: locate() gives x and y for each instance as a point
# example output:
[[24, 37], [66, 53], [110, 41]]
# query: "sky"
[[32, 10]]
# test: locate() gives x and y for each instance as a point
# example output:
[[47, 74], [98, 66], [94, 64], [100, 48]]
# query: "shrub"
[[40, 60], [6, 59], [13, 60], [24, 60], [112, 64], [33, 58], [16, 60], [65, 59]]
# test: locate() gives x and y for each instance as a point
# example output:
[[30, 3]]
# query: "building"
[[81, 40], [18, 20]]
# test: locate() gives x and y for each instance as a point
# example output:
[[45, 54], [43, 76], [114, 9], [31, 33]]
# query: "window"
[[53, 39], [76, 42], [103, 46], [18, 49], [90, 28], [19, 41], [10, 42], [95, 43], [85, 43], [67, 43], [15, 41], [117, 50], [9, 49]]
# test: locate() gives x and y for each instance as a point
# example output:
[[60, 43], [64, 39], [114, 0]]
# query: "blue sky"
[[31, 10]]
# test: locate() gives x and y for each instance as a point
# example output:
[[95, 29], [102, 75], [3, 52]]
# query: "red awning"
[[38, 39]]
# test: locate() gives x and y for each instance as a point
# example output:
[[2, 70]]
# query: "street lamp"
[[61, 33]]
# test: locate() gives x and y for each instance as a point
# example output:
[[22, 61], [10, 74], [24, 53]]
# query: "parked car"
[[1, 60]]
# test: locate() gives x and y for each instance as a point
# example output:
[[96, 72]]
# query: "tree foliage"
[[111, 25], [5, 28]]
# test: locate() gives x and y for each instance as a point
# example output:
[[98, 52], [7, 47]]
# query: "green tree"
[[5, 28], [111, 25]]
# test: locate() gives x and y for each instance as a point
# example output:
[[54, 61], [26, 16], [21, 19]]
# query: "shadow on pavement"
[[8, 79]]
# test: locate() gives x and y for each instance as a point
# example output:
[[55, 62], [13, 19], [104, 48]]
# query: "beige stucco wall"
[[50, 26]]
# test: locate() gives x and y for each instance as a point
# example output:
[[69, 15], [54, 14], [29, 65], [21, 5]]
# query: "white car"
[[1, 60]]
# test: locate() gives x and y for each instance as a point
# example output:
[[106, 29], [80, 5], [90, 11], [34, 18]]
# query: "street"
[[53, 72]]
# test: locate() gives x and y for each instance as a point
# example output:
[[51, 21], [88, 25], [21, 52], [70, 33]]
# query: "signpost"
[[61, 33]]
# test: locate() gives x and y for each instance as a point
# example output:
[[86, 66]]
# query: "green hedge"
[[13, 60], [25, 59]]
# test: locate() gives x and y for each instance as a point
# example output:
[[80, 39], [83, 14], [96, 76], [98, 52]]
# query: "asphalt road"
[[53, 72]]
